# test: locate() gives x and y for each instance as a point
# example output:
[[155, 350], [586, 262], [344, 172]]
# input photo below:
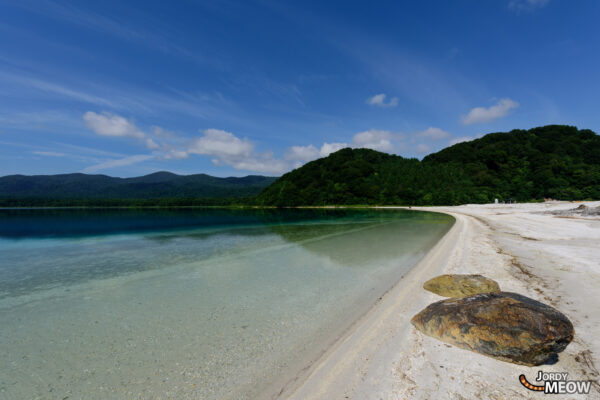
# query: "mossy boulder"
[[506, 326], [461, 285]]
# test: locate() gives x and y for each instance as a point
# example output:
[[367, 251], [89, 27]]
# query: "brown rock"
[[503, 325], [461, 285]]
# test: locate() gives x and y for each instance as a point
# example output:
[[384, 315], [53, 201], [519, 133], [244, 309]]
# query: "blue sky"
[[234, 88]]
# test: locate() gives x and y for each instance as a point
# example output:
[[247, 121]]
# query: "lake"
[[189, 303]]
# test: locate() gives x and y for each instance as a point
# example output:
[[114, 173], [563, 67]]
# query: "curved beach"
[[522, 247]]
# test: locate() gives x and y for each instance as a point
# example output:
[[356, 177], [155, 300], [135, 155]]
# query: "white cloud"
[[221, 144], [223, 147], [422, 148], [526, 5], [265, 164], [308, 153], [482, 114], [328, 148], [121, 162], [302, 153], [379, 101], [374, 139], [433, 133], [461, 139], [379, 140], [227, 149], [107, 124]]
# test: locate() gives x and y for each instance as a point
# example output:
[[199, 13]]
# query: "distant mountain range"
[[555, 161], [60, 189]]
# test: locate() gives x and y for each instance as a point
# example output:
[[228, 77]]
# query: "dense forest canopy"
[[554, 161]]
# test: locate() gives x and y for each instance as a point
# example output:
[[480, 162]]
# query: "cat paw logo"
[[556, 383]]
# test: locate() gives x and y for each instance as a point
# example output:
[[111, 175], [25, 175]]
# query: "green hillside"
[[554, 161]]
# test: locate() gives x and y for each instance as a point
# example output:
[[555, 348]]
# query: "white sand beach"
[[553, 259]]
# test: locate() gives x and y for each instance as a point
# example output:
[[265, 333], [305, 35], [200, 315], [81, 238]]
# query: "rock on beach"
[[506, 326], [461, 285]]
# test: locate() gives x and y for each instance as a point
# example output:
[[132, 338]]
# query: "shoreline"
[[283, 385], [382, 356], [312, 380]]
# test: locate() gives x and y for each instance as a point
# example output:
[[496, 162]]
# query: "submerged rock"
[[461, 285], [504, 325]]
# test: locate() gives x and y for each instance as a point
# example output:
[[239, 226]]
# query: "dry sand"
[[552, 259]]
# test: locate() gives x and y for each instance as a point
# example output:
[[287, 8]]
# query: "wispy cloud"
[[92, 152], [123, 97], [54, 88], [519, 6], [481, 114], [121, 28], [379, 101], [121, 162], [40, 120], [49, 153], [416, 79], [58, 149], [275, 94]]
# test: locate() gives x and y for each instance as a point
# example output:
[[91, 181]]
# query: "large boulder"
[[461, 285], [503, 325]]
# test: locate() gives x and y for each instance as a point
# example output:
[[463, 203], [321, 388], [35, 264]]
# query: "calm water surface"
[[199, 304]]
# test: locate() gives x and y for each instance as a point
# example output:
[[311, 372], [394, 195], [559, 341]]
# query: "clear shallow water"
[[188, 304]]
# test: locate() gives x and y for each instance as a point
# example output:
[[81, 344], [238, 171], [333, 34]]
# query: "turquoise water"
[[180, 304]]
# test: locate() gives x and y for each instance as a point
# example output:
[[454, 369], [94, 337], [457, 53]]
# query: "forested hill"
[[555, 161], [82, 189]]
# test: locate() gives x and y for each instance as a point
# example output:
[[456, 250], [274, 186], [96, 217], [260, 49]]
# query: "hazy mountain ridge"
[[153, 186]]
